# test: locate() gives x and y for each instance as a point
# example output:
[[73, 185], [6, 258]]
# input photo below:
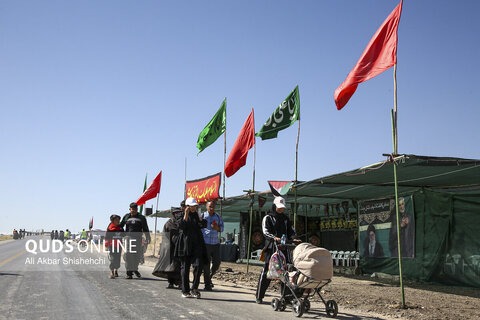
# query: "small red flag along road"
[[379, 55], [245, 141], [152, 190]]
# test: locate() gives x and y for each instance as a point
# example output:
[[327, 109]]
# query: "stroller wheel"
[[275, 304], [306, 305], [331, 308], [297, 308]]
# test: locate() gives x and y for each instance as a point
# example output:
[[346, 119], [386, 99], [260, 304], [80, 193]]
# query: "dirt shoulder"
[[380, 296], [237, 281], [373, 296], [5, 237]]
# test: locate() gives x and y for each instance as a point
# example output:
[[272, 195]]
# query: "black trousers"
[[213, 254], [185, 273], [263, 282]]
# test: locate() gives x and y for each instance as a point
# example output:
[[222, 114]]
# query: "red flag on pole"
[[90, 225], [152, 190], [379, 55], [245, 141]]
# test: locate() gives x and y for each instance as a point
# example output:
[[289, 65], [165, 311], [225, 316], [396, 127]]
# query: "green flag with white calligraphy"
[[286, 114], [144, 188], [214, 128]]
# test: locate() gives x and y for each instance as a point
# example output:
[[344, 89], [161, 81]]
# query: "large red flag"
[[379, 55], [152, 190], [245, 141]]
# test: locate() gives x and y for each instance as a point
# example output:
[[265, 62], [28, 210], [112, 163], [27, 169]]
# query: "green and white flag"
[[286, 114], [144, 188], [214, 128]]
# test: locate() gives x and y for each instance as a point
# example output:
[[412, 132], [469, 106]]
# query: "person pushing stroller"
[[274, 225]]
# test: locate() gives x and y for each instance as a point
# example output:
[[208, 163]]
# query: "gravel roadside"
[[371, 295]]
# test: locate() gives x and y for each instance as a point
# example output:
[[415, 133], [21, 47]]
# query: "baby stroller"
[[312, 269]]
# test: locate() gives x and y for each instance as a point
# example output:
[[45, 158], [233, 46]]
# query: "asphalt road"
[[58, 291]]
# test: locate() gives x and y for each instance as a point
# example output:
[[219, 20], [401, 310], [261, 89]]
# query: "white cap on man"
[[191, 202], [279, 202]]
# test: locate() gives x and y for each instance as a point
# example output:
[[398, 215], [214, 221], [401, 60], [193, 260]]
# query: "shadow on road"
[[150, 279], [317, 314], [229, 300], [233, 291], [312, 314], [10, 274]]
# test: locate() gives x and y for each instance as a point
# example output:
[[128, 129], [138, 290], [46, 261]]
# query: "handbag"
[[277, 266]]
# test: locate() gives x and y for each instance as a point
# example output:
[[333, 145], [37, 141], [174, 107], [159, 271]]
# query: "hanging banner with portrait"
[[378, 228]]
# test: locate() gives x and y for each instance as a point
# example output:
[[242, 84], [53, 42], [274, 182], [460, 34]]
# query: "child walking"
[[113, 239]]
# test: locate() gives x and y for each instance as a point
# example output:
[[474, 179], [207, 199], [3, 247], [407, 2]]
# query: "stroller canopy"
[[312, 261]]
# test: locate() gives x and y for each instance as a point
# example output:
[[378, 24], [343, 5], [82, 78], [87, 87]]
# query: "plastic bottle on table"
[[284, 239]]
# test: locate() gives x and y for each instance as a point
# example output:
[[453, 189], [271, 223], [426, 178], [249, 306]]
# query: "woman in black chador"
[[168, 266]]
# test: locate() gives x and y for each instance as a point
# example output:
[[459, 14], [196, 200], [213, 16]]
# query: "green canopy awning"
[[376, 180], [369, 182]]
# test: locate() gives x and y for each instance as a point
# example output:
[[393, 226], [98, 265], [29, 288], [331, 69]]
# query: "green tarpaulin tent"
[[446, 196]]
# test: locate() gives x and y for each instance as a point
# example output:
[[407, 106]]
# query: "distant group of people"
[[20, 234], [61, 235]]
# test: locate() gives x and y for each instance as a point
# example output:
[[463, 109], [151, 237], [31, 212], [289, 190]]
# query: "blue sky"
[[94, 94]]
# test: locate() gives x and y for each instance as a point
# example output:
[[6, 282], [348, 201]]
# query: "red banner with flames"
[[204, 189]]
